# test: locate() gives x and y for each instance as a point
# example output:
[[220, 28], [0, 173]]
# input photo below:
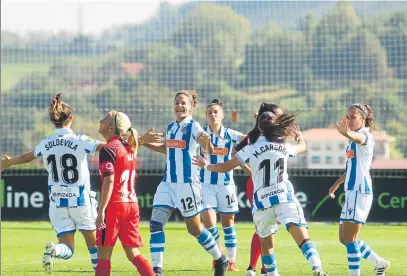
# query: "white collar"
[[221, 131], [185, 121], [63, 130]]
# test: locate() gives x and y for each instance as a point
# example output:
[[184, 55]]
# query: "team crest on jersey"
[[184, 130], [350, 154], [90, 139]]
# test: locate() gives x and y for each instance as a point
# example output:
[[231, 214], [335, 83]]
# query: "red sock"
[[103, 268], [143, 266], [255, 251]]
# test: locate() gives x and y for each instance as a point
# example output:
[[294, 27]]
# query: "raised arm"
[[153, 141], [17, 160], [344, 129], [156, 147], [299, 138]]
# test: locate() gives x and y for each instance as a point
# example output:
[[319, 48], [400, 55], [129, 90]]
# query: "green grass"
[[22, 247], [11, 73]]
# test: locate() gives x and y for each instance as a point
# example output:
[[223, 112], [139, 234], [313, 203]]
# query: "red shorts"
[[249, 190], [122, 220]]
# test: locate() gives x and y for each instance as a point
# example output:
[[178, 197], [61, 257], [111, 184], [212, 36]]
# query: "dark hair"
[[215, 101], [191, 94], [367, 112], [255, 132], [277, 129], [59, 112]]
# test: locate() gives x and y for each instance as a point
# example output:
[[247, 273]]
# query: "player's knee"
[[303, 242], [156, 226], [159, 216]]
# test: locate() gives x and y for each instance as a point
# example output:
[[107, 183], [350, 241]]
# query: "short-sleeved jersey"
[[268, 164], [65, 157], [223, 144], [181, 144], [359, 160], [116, 158]]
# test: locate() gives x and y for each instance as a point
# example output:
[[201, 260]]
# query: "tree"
[[219, 36]]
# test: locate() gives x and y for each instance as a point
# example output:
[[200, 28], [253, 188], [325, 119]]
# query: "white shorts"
[[187, 197], [287, 213], [66, 219], [356, 207], [222, 198]]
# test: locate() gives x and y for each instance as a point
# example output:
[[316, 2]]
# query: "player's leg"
[[228, 225], [266, 227], [228, 207], [106, 239], [85, 218], [188, 197], [163, 206], [104, 266], [209, 209], [131, 239], [291, 215], [65, 229]]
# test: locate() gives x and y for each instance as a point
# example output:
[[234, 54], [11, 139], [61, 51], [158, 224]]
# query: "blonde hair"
[[122, 125]]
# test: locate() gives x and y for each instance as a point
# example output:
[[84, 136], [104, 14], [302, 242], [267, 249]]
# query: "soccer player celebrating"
[[72, 203], [218, 189], [255, 249], [118, 214], [356, 126], [180, 187], [274, 197]]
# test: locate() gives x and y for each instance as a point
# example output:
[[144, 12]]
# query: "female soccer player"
[[118, 214], [255, 249], [180, 187], [356, 126], [274, 194], [72, 203], [218, 189]]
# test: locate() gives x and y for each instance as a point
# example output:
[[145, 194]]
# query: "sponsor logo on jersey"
[[350, 154], [220, 151], [175, 144]]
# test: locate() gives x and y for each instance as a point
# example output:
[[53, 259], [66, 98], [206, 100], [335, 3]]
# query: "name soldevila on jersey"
[[61, 142]]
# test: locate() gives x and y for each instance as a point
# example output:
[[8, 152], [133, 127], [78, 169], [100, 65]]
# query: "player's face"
[[104, 124], [355, 120], [182, 107], [214, 114]]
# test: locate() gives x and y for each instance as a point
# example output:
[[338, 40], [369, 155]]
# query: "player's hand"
[[342, 126], [151, 137], [199, 161], [298, 136], [332, 190], [5, 164], [100, 221]]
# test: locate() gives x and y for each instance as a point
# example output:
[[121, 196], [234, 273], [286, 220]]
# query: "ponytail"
[[369, 121], [132, 140], [59, 112]]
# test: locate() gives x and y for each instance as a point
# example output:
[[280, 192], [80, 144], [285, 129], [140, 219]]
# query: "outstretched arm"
[[221, 167], [17, 160], [156, 147], [299, 138], [204, 140]]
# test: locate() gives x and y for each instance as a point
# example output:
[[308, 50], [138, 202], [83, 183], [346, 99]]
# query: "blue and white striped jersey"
[[181, 144], [268, 163], [359, 160], [223, 144], [65, 156]]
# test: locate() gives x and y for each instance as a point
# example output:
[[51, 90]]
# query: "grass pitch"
[[22, 246]]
